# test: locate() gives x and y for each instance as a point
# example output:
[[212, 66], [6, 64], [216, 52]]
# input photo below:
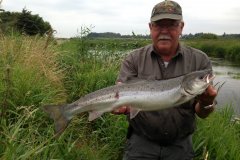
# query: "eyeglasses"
[[171, 25]]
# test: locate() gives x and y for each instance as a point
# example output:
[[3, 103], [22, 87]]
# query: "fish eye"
[[202, 76]]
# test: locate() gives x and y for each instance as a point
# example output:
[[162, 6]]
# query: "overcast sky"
[[125, 16]]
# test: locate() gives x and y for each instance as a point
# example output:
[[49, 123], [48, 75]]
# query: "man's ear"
[[150, 25], [182, 25]]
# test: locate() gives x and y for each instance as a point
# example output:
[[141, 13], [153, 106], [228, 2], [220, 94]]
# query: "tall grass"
[[30, 77], [34, 75], [29, 72], [218, 136]]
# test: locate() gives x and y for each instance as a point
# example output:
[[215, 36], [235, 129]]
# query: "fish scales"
[[140, 88], [139, 96]]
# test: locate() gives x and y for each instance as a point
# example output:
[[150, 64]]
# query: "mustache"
[[161, 37]]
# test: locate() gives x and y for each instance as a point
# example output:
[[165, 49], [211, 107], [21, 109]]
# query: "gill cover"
[[196, 83]]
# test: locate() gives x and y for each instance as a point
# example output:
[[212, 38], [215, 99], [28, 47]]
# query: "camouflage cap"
[[166, 10]]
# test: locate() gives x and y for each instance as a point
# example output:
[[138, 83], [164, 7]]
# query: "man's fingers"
[[121, 110], [208, 96], [211, 91]]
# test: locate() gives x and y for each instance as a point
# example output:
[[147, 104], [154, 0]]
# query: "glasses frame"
[[169, 26]]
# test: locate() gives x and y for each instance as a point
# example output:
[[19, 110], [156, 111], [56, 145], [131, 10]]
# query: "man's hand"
[[204, 100], [122, 110], [208, 97]]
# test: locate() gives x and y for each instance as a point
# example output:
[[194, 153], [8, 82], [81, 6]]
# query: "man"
[[165, 134]]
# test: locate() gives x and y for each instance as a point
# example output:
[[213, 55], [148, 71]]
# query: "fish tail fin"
[[60, 120]]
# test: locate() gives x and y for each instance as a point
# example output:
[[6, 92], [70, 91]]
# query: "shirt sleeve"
[[205, 62], [128, 70]]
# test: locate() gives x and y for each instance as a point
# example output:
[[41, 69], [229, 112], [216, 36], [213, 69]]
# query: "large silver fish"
[[141, 96]]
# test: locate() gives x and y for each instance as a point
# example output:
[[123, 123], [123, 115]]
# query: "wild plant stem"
[[7, 92]]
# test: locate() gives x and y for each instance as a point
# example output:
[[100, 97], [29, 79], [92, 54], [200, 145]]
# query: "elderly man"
[[165, 134]]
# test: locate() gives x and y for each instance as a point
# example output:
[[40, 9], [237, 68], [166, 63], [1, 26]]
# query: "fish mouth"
[[208, 78]]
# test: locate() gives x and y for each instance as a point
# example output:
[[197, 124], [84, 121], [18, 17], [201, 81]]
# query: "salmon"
[[144, 95]]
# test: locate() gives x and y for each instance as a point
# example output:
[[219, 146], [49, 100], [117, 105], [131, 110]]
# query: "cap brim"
[[166, 16]]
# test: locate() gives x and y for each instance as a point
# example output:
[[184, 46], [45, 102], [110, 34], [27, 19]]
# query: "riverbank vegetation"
[[36, 71], [227, 48]]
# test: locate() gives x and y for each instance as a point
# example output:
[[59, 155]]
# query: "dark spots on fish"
[[117, 95]]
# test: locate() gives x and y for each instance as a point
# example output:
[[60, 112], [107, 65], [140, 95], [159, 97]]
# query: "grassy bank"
[[218, 136], [226, 48], [220, 48], [35, 72]]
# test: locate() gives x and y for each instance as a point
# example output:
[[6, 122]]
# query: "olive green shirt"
[[164, 126]]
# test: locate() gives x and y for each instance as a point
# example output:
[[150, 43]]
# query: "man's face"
[[165, 35]]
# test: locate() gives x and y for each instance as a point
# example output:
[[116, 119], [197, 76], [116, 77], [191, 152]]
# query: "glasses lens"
[[168, 25]]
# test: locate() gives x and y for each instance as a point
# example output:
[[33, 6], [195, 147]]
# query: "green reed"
[[221, 48], [218, 136], [30, 77]]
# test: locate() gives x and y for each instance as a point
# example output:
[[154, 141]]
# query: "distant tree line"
[[185, 36], [200, 35], [23, 22], [209, 36], [115, 35]]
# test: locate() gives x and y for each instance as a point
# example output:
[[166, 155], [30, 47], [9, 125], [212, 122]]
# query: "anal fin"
[[94, 115]]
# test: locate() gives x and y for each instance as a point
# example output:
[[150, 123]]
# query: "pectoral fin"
[[133, 112]]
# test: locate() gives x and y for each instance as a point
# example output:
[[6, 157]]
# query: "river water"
[[229, 73]]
